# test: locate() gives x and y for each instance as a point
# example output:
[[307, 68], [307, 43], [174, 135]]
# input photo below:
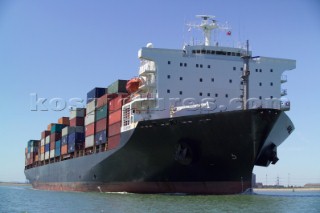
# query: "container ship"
[[195, 120]]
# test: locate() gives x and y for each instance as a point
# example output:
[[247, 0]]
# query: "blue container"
[[64, 140], [95, 93], [100, 137], [47, 147], [57, 128], [57, 151], [75, 141]]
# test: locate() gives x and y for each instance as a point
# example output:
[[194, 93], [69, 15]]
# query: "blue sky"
[[62, 49]]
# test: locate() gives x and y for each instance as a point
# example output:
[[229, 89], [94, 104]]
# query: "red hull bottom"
[[217, 188]]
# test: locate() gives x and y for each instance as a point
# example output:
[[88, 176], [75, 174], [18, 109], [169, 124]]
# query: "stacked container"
[[55, 138], [72, 139], [32, 151], [101, 119], [118, 86], [92, 97], [115, 117], [44, 134], [77, 117]]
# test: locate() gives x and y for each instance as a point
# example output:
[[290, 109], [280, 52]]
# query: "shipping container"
[[89, 141], [52, 153], [96, 93], [64, 149], [64, 140], [47, 147], [114, 129], [76, 137], [58, 145], [42, 157], [57, 152], [65, 131], [101, 112], [115, 117], [49, 127], [77, 113], [118, 86], [76, 129], [114, 141], [47, 139], [100, 137], [36, 158], [57, 128], [89, 119], [45, 133], [55, 137], [42, 141], [90, 107], [90, 129], [52, 145], [117, 103], [104, 100], [101, 125], [42, 149], [75, 147], [64, 120], [77, 121], [46, 155]]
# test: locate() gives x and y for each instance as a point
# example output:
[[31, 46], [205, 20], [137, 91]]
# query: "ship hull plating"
[[200, 154]]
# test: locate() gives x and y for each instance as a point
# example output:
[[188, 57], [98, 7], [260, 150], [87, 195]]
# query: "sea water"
[[26, 199]]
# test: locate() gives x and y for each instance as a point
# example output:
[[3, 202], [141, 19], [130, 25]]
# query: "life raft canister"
[[133, 85]]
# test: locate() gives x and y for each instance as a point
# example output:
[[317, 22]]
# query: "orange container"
[[41, 149], [114, 141], [49, 126], [90, 129], [36, 158], [64, 121], [101, 125], [115, 117], [64, 149], [114, 129]]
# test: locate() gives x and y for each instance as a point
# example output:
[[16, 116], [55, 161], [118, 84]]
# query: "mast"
[[208, 24], [245, 78]]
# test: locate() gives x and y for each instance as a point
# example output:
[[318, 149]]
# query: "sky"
[[59, 50]]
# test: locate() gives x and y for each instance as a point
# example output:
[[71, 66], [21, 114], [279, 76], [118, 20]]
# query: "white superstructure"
[[203, 79]]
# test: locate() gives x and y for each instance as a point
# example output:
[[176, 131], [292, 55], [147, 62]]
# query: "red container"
[[55, 136], [52, 145], [114, 129], [104, 100], [45, 133], [64, 149], [114, 141], [115, 117], [101, 125], [64, 120], [118, 102], [90, 129], [77, 121]]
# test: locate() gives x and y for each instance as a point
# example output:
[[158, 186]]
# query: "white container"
[[43, 141], [52, 153], [65, 131], [47, 139], [28, 155], [89, 141], [89, 119], [46, 155], [42, 157], [78, 112], [91, 106]]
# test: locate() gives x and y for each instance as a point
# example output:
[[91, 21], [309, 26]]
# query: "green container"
[[101, 113], [57, 128], [118, 86]]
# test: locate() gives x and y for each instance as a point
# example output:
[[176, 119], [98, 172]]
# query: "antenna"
[[208, 24]]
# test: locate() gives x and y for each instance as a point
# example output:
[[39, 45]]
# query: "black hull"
[[201, 154]]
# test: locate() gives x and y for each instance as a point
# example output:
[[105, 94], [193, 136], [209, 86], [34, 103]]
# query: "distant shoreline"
[[14, 184], [285, 189]]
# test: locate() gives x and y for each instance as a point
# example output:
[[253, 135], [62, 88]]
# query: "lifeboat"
[[133, 85]]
